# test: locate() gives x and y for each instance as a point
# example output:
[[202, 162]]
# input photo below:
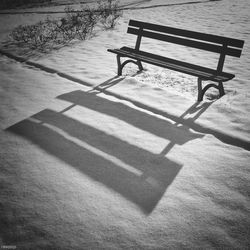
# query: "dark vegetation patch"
[[10, 4], [75, 24]]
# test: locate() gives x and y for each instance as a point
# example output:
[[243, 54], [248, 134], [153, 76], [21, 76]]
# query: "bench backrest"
[[213, 43]]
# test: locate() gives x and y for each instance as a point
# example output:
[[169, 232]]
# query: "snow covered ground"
[[94, 161]]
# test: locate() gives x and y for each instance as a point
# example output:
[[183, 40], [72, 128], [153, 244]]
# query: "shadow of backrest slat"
[[77, 144]]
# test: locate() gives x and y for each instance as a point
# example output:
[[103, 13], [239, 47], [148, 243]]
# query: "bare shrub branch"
[[74, 25], [109, 13]]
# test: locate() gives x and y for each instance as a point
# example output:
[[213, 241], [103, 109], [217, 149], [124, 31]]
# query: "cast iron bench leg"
[[121, 65], [139, 65], [221, 89], [202, 91], [200, 94]]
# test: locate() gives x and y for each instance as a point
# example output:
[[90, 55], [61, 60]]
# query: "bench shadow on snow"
[[137, 174]]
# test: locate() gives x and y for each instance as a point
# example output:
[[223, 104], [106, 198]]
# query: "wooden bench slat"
[[186, 42], [169, 63], [177, 62], [187, 33]]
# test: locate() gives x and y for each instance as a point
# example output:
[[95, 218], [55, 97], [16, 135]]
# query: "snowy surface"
[[94, 161]]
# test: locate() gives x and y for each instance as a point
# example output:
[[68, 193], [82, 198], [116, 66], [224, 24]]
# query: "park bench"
[[218, 44]]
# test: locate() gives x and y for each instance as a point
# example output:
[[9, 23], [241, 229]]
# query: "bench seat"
[[169, 63]]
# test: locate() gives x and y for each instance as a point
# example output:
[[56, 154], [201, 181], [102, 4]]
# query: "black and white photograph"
[[124, 124]]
